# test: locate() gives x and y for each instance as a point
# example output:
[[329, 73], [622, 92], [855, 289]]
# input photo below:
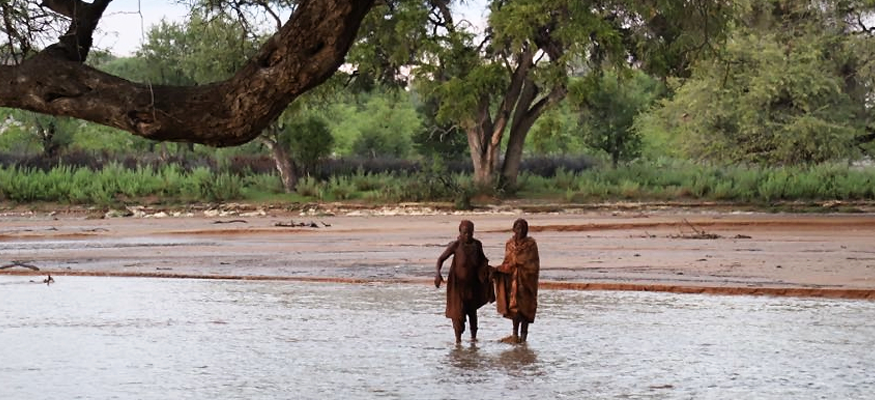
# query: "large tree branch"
[[304, 53], [524, 64], [76, 43]]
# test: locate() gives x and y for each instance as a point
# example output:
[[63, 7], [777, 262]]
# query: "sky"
[[125, 22]]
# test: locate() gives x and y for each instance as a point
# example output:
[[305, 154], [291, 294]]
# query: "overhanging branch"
[[303, 54]]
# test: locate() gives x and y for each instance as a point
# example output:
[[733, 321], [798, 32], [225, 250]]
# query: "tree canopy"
[[496, 83], [304, 52], [792, 85], [775, 81]]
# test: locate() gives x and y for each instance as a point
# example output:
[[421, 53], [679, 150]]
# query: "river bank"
[[684, 250]]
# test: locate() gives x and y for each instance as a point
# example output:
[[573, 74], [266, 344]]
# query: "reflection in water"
[[519, 359], [474, 365], [467, 358], [96, 338]]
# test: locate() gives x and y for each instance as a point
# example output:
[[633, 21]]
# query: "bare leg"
[[524, 330], [516, 329], [459, 328], [472, 319]]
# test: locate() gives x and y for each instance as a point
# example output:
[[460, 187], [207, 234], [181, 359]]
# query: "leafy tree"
[[205, 49], [375, 124], [608, 105], [52, 135], [95, 138], [385, 126], [344, 126], [557, 132], [14, 138], [309, 140], [137, 69], [785, 90], [502, 81], [435, 139], [304, 52], [168, 46]]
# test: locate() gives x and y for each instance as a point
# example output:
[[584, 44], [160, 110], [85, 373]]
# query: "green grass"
[[645, 182]]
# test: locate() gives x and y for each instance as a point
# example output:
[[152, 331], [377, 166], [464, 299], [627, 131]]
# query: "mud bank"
[[680, 251]]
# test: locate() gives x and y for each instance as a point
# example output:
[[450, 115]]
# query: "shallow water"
[[140, 338]]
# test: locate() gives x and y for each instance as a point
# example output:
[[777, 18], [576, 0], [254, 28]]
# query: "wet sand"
[[683, 251]]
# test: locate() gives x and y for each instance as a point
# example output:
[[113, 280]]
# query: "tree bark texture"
[[305, 52], [284, 166]]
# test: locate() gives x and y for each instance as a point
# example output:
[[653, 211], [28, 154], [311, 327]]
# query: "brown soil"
[[675, 250]]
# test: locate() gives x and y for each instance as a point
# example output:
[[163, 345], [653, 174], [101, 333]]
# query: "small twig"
[[693, 227], [231, 221]]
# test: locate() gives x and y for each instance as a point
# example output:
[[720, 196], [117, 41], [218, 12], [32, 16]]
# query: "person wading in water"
[[516, 281], [469, 285]]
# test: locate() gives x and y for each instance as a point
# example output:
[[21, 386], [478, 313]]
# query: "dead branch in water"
[[699, 234], [20, 264], [291, 224]]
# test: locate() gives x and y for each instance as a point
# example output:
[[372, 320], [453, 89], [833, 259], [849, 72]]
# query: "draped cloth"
[[516, 280], [468, 285]]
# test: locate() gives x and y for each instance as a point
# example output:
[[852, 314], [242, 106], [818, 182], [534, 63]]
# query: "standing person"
[[468, 281], [516, 281]]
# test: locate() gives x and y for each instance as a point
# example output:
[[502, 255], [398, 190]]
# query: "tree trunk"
[[47, 134], [305, 52], [524, 116], [484, 142], [518, 109], [485, 161], [284, 165], [523, 119]]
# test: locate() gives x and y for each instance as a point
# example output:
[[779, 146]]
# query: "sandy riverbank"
[[699, 251]]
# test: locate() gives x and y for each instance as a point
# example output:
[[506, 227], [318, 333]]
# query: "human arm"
[[451, 248]]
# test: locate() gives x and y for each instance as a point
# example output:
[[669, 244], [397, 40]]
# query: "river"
[[146, 338]]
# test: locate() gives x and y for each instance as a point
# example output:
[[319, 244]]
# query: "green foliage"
[[309, 187], [557, 132], [502, 82], [221, 186], [668, 181], [435, 139], [100, 138], [778, 96], [262, 183], [685, 181], [368, 182], [200, 50], [14, 137], [608, 105], [341, 188], [308, 139], [385, 126], [27, 131], [137, 69], [115, 184]]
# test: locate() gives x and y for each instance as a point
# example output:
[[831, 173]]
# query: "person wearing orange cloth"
[[516, 281]]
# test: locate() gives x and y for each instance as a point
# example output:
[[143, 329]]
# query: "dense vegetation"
[[744, 102]]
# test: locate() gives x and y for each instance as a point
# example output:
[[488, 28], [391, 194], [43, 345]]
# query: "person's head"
[[520, 229], [466, 231]]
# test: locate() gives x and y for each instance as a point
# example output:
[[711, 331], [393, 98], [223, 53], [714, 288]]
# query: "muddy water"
[[143, 338]]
